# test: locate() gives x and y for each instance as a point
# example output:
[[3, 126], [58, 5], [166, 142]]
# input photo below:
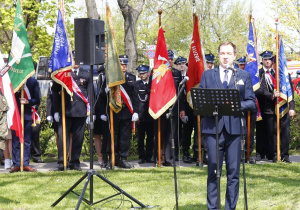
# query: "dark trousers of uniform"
[[145, 128], [166, 137], [252, 127], [35, 142], [76, 126], [122, 132], [230, 146], [16, 145], [284, 136], [187, 134], [106, 141]]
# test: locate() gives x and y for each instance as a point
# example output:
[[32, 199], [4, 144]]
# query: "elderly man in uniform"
[[32, 90], [76, 111], [210, 60], [142, 90], [122, 119]]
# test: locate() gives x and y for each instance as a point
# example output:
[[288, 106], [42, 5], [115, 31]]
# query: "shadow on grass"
[[194, 206]]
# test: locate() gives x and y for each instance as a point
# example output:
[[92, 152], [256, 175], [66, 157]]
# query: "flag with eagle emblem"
[[163, 92]]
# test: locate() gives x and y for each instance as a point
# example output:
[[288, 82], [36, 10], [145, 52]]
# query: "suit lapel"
[[217, 78]]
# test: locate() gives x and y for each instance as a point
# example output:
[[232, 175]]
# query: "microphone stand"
[[170, 116], [242, 144]]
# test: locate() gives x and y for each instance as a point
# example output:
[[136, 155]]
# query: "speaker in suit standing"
[[122, 119], [76, 115], [229, 126]]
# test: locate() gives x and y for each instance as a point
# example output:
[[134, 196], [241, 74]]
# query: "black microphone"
[[186, 78], [232, 69]]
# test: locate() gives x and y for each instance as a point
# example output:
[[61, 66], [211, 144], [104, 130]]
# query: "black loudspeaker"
[[89, 41]]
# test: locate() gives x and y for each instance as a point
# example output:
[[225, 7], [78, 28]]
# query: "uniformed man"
[[122, 119], [165, 127], [210, 60], [76, 111], [142, 90], [103, 147], [266, 98], [241, 62], [32, 97]]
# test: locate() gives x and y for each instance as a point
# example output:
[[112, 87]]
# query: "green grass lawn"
[[269, 186]]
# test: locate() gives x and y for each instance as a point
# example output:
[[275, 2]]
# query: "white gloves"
[[107, 89], [135, 117], [88, 119], [185, 119], [56, 116], [103, 117], [50, 119]]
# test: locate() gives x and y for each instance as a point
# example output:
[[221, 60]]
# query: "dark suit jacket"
[[75, 107], [211, 80], [35, 93]]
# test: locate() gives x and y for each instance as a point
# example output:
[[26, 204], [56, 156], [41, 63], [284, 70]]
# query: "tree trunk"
[[92, 9], [131, 15]]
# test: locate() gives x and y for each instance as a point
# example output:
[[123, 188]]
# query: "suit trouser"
[[35, 142], [284, 136], [230, 145], [122, 132], [16, 145], [76, 126], [145, 128], [268, 124]]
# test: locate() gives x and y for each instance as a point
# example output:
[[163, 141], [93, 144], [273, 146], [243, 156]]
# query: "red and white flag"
[[196, 65], [13, 116], [163, 92]]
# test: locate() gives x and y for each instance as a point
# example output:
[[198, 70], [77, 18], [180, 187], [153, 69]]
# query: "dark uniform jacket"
[[101, 105], [141, 100], [177, 79], [34, 90], [75, 107], [129, 88]]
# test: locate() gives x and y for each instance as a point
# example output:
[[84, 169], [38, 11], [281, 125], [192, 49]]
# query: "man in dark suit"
[[76, 116], [122, 119], [229, 126], [32, 90], [142, 90]]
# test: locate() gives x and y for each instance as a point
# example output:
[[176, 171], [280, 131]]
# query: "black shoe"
[[167, 163], [77, 168], [286, 160], [149, 160], [274, 160], [252, 160], [258, 157], [124, 164], [141, 161], [59, 168], [187, 159], [38, 160]]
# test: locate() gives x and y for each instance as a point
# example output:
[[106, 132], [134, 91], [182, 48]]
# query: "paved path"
[[46, 167]]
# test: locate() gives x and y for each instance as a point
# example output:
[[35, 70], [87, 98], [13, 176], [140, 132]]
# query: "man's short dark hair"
[[227, 43]]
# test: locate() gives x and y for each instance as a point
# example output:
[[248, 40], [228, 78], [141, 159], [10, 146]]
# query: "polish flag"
[[13, 116]]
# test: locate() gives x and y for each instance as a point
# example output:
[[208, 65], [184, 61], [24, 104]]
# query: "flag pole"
[[278, 89], [249, 113], [159, 131], [63, 107], [198, 116], [112, 138], [22, 143]]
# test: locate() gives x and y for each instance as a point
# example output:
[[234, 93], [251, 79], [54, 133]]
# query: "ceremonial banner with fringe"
[[163, 92]]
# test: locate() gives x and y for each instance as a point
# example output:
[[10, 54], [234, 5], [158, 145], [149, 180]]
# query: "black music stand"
[[217, 102]]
